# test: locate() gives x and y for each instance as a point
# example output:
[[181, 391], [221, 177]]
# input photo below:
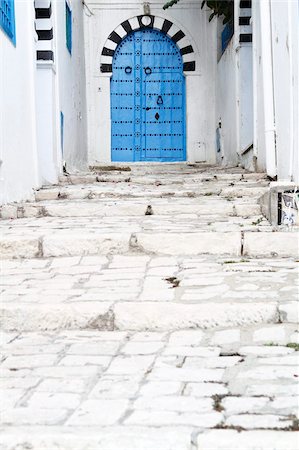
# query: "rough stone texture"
[[102, 244], [249, 440], [192, 244], [139, 292], [271, 244], [202, 348], [106, 399], [51, 316], [137, 316], [18, 247]]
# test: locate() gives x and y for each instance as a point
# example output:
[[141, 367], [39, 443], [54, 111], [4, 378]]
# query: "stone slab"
[[190, 243], [170, 316], [283, 244]]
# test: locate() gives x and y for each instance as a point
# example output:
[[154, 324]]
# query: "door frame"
[[191, 72], [142, 155]]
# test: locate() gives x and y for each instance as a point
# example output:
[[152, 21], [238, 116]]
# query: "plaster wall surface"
[[18, 154], [285, 37], [101, 18], [258, 104], [285, 69], [71, 85], [226, 106]]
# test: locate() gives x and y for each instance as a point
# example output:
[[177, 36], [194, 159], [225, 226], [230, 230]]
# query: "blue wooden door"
[[147, 99]]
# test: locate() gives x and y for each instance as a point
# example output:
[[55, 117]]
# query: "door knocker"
[[128, 70], [157, 116], [160, 100], [148, 70]]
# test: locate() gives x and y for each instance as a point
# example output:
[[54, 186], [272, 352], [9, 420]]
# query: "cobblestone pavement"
[[189, 389], [139, 292], [148, 309]]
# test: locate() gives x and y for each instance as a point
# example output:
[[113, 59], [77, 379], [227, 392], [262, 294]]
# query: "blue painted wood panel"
[[148, 99]]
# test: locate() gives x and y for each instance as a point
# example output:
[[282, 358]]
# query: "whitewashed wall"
[[18, 153], [258, 104], [281, 158], [234, 98], [226, 105], [101, 18], [71, 85], [285, 38]]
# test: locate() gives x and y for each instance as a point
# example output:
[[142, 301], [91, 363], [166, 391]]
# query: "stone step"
[[131, 190], [120, 239], [160, 178], [146, 292], [132, 207]]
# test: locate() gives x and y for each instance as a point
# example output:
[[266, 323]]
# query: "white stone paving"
[[141, 391], [150, 309], [145, 292]]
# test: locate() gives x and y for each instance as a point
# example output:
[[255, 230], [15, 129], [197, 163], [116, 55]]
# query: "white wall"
[[71, 84], [259, 117], [226, 105], [18, 154], [285, 37], [101, 18], [234, 98]]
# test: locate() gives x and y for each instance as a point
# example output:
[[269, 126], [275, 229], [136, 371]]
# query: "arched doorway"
[[148, 99]]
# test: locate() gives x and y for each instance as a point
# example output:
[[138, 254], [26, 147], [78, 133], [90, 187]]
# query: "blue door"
[[148, 99]]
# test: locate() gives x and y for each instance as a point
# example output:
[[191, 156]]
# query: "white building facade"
[[42, 93], [94, 82]]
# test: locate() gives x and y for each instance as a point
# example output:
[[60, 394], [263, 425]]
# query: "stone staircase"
[[171, 210], [148, 308], [163, 247]]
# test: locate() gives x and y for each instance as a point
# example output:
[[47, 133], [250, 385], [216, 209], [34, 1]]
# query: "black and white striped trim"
[[244, 21], [44, 30], [158, 23]]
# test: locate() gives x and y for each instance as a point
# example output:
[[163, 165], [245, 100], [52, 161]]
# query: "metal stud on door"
[[147, 99]]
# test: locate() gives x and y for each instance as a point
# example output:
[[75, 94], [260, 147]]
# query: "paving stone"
[[226, 337], [33, 416], [158, 418], [251, 421], [270, 373], [98, 412], [275, 334], [148, 332], [247, 440], [57, 245], [272, 389], [191, 244], [18, 247], [159, 388], [150, 315], [265, 350], [271, 244], [289, 312], [205, 389], [186, 375], [116, 386], [50, 400], [55, 316], [175, 403], [142, 348], [130, 364], [240, 405]]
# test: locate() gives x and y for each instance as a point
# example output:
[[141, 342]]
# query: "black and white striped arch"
[[142, 22], [245, 21], [44, 30]]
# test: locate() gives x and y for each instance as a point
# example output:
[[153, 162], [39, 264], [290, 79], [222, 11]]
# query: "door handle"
[[147, 108]]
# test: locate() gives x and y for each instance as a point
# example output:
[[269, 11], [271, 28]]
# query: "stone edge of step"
[[235, 243]]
